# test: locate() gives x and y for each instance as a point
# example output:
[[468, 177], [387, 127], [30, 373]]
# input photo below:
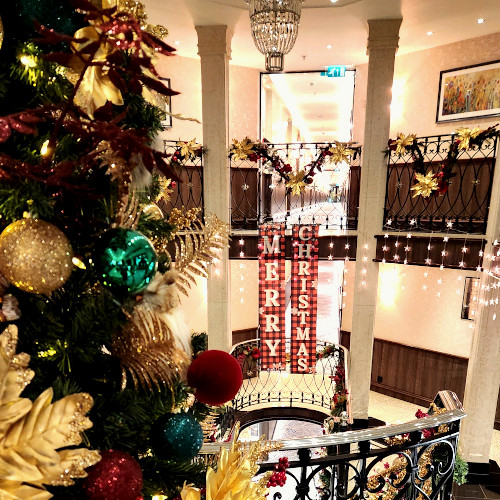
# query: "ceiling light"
[[334, 1], [480, 20], [177, 42], [430, 33], [274, 26], [328, 46]]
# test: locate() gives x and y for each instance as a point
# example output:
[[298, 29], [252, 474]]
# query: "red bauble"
[[116, 476], [216, 376]]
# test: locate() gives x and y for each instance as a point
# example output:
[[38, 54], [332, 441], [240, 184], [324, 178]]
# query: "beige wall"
[[416, 85], [417, 317], [185, 76], [244, 294]]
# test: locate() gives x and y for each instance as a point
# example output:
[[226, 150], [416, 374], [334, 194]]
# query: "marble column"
[[214, 48], [382, 46], [483, 372]]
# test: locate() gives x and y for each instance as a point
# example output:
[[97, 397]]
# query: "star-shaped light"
[[296, 182], [465, 135], [425, 185]]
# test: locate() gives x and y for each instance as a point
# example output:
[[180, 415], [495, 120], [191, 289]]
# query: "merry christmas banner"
[[272, 304], [304, 298]]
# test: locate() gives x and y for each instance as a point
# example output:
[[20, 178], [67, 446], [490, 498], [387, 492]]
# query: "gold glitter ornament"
[[153, 211], [35, 256]]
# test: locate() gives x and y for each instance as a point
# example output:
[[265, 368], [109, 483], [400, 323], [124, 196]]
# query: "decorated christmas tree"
[[88, 283]]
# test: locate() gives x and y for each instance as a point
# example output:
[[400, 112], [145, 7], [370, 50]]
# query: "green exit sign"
[[334, 71]]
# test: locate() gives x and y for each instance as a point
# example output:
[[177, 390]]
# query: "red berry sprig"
[[278, 477]]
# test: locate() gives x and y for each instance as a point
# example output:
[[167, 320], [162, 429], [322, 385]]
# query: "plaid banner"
[[304, 298], [272, 303]]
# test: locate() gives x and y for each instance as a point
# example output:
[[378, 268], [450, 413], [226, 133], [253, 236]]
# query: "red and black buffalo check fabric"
[[272, 316], [304, 299]]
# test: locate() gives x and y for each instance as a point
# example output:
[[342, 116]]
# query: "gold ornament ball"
[[153, 211], [35, 256]]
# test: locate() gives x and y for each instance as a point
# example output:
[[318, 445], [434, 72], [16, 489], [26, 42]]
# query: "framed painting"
[[470, 92], [167, 123]]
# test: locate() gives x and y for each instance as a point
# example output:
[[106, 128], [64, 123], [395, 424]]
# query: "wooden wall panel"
[[497, 416]]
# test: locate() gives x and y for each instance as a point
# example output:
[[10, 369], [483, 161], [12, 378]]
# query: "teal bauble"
[[125, 261], [177, 437]]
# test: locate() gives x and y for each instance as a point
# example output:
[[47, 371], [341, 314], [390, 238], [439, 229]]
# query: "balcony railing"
[[189, 192], [413, 460], [280, 388], [465, 204], [258, 196]]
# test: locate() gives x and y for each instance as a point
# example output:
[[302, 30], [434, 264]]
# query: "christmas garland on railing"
[[185, 151], [296, 182], [430, 184]]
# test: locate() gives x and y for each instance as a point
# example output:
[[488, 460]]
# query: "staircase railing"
[[413, 460]]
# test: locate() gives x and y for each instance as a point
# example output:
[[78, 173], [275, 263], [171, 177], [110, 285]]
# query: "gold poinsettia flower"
[[296, 182], [465, 135], [240, 150], [340, 152], [189, 149], [96, 87], [426, 185], [403, 141], [233, 478]]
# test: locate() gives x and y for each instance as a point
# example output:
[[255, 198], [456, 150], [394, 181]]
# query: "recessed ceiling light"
[[480, 20], [328, 46], [430, 33], [334, 1], [177, 42]]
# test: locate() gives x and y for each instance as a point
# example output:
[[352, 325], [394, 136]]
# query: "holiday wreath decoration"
[[296, 181], [430, 184]]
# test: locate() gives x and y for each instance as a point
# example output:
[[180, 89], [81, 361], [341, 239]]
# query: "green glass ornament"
[[177, 436], [125, 260]]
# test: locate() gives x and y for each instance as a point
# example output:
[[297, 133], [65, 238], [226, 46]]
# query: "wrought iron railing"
[[413, 460], [189, 192], [265, 388], [258, 195], [465, 204]]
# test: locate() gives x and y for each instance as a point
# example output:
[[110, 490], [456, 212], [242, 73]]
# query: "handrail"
[[449, 399]]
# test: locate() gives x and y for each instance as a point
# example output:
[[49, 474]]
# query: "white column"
[[214, 48], [483, 372], [382, 45]]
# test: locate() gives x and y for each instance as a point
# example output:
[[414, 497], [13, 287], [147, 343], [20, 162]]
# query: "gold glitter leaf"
[[233, 478], [195, 248], [148, 351], [32, 434], [425, 185]]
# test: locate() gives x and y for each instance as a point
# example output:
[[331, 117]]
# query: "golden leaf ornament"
[[240, 150], [465, 135], [340, 153], [296, 182], [425, 185], [403, 141], [38, 438]]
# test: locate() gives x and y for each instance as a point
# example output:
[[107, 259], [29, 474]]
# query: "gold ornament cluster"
[[38, 438], [233, 478], [35, 256]]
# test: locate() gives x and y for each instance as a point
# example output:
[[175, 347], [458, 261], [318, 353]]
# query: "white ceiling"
[[341, 25]]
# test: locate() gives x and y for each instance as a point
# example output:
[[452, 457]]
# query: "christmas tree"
[[87, 276]]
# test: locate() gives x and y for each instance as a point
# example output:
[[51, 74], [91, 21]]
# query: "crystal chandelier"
[[275, 24]]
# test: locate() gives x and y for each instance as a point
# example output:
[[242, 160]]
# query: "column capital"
[[383, 34], [214, 40]]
